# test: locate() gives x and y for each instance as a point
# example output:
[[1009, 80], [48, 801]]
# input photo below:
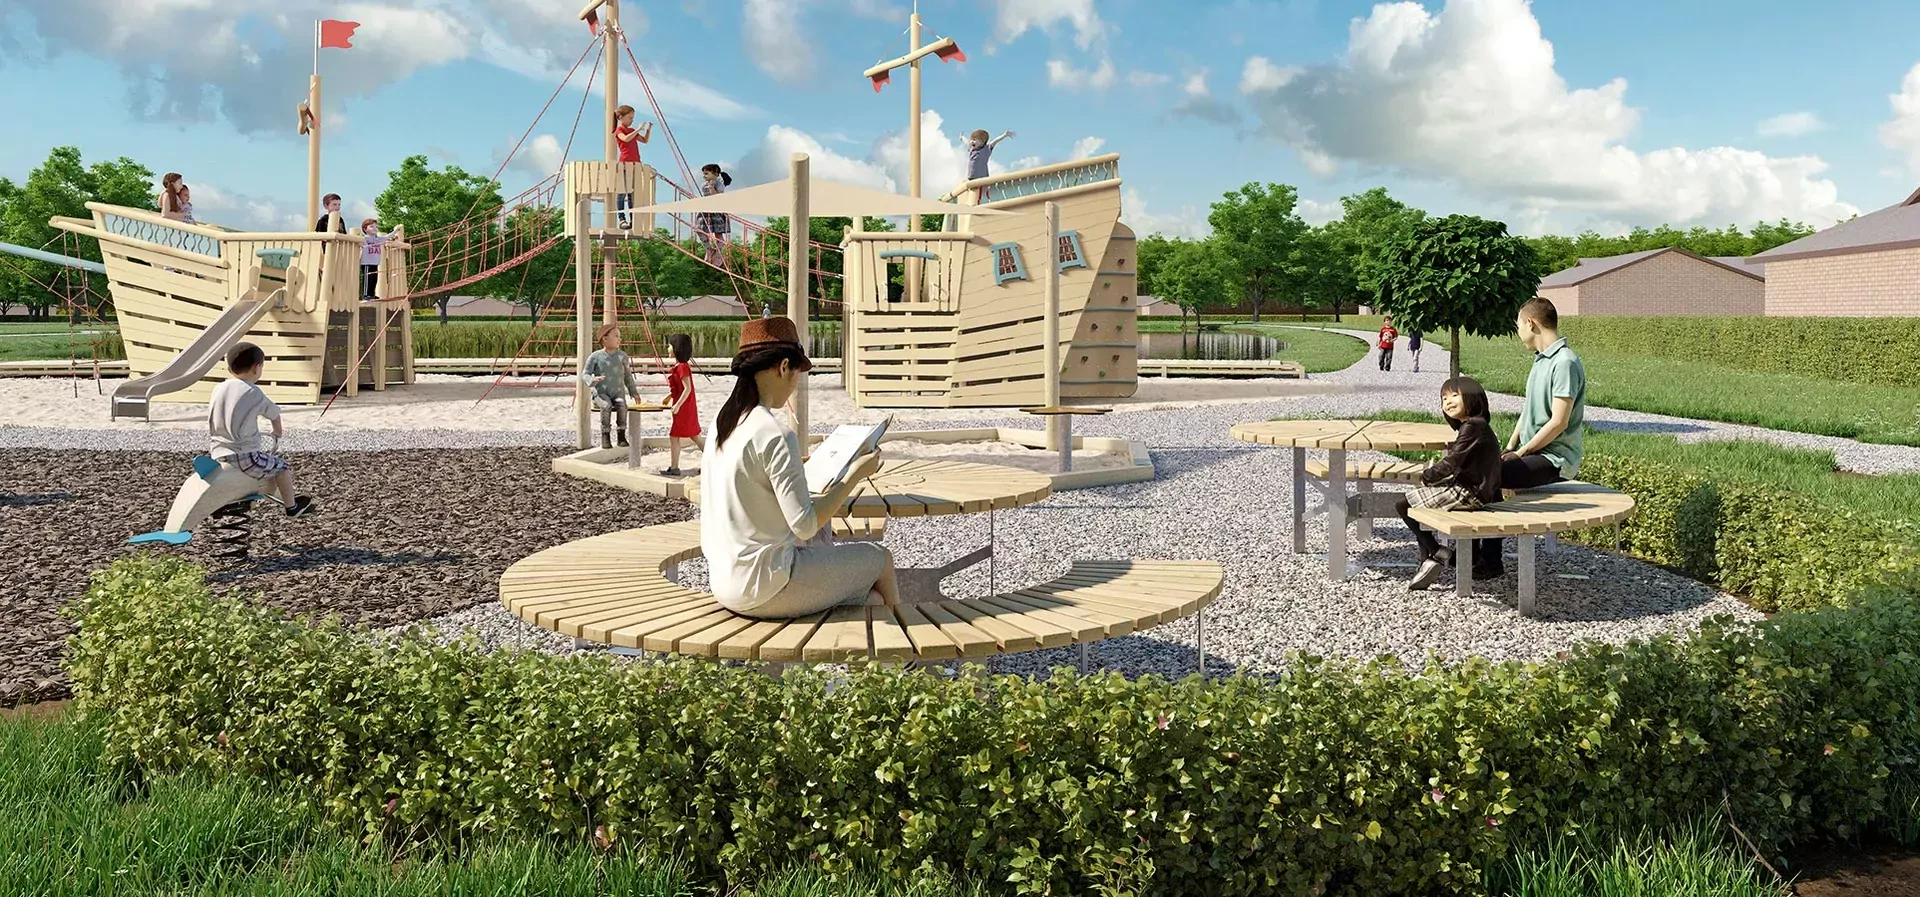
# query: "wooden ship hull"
[[171, 281], [973, 335]]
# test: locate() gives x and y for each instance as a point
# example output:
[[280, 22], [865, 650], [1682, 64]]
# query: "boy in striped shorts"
[[233, 426]]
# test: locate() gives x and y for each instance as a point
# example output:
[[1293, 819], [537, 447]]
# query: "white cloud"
[[770, 30], [1087, 148], [198, 60], [1147, 79], [943, 158], [1188, 222], [1062, 75], [770, 161], [1260, 74], [541, 157], [1902, 132], [1013, 18], [1470, 96], [1197, 101], [215, 205], [1316, 213], [1791, 124]]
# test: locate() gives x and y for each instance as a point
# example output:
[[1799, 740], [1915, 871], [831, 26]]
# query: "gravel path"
[[1400, 388]]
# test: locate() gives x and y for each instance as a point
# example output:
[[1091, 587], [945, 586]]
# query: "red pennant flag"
[[881, 80], [950, 53], [593, 21], [335, 33]]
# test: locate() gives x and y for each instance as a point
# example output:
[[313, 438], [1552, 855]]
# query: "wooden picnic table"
[[1337, 437]]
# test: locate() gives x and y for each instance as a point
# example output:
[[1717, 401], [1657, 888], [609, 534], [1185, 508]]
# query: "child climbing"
[[370, 254], [713, 227], [680, 400], [628, 139], [979, 150], [233, 426], [609, 374]]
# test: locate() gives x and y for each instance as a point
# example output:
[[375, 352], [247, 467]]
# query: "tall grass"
[[1696, 861]]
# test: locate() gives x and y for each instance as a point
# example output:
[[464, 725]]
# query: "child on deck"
[[628, 139], [680, 400], [609, 374], [979, 150], [233, 426], [370, 255], [1387, 336], [713, 227], [329, 207], [186, 206], [1467, 476]]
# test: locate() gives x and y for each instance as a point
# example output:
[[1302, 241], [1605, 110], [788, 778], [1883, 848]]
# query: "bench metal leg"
[[1082, 661], [1337, 514], [1463, 567], [1066, 442], [1526, 574], [1553, 542], [1364, 529], [1200, 640], [1299, 501]]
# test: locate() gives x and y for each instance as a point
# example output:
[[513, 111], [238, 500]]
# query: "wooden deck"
[[614, 589]]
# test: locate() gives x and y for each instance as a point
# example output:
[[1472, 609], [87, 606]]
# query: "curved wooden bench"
[[1377, 471], [614, 589], [1554, 508]]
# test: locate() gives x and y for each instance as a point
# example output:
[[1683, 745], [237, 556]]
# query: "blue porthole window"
[[1069, 252], [1007, 264]]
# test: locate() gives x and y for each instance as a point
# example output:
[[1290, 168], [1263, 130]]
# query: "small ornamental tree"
[[1196, 275], [1457, 273]]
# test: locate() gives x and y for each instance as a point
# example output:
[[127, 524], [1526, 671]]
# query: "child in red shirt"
[[628, 140], [1387, 336], [680, 400]]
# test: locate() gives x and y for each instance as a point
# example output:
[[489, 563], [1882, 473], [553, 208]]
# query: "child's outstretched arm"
[[1003, 135]]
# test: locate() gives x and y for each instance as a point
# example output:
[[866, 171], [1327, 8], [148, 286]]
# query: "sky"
[[1555, 116]]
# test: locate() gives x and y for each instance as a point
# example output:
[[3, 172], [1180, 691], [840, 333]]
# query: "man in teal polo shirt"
[[1545, 447]]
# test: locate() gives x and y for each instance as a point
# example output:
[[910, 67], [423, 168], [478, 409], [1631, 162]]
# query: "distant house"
[[1658, 282], [1868, 267], [706, 306], [1154, 305], [474, 306]]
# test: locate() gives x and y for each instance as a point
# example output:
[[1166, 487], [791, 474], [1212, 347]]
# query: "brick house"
[[1868, 267], [1658, 282]]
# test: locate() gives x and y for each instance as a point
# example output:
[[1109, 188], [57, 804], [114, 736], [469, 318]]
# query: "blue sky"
[[1553, 116]]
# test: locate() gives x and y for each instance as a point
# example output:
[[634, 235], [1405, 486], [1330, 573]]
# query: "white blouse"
[[754, 510]]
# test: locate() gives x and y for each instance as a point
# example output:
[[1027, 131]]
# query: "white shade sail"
[[826, 199]]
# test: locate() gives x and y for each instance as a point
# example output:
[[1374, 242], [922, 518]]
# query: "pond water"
[[720, 342]]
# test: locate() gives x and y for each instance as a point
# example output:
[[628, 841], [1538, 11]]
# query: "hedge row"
[[1779, 549], [1854, 350], [1335, 777]]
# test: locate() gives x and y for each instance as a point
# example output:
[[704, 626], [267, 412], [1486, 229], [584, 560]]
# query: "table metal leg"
[[1526, 574], [1337, 514], [1463, 567], [1082, 661], [1200, 640], [1299, 501], [1364, 526], [1066, 443], [992, 565]]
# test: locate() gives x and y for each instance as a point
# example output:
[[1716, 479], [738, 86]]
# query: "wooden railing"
[[1033, 181]]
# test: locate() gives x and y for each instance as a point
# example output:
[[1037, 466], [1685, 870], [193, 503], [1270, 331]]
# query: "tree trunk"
[[1336, 311], [1256, 309], [442, 302], [1453, 360]]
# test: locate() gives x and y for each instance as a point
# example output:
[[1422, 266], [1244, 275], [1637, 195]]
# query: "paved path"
[[1401, 388]]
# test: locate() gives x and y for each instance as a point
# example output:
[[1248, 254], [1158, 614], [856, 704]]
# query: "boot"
[[606, 440], [621, 437]]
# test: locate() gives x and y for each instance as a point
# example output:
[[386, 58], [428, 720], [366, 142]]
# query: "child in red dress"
[[686, 412]]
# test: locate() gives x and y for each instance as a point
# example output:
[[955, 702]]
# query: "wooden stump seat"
[[614, 589], [1554, 508]]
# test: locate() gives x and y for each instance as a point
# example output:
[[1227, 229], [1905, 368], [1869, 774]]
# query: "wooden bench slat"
[[890, 640], [929, 640], [785, 644], [968, 639], [1554, 508]]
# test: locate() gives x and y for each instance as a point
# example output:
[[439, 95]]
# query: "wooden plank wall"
[[1103, 360], [604, 180]]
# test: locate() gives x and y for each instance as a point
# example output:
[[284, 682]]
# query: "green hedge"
[[1334, 777], [1779, 549], [1854, 350]]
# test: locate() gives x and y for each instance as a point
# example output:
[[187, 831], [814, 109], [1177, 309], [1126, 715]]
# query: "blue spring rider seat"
[[219, 490]]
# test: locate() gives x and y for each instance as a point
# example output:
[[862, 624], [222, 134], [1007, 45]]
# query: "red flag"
[[335, 33], [950, 53], [593, 21], [881, 79]]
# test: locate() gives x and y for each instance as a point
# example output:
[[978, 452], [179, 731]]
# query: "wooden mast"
[[798, 267], [610, 30], [913, 267]]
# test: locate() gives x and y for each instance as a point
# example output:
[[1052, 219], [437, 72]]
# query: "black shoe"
[[673, 472], [1424, 577], [606, 441], [622, 439], [301, 507]]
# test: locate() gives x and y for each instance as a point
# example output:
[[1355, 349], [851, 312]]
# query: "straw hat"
[[775, 332]]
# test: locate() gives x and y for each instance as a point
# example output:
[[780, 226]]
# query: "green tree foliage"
[[1260, 224], [1457, 273], [61, 186], [426, 200], [534, 283], [1196, 275], [1150, 253], [1369, 224], [1556, 253], [1329, 270]]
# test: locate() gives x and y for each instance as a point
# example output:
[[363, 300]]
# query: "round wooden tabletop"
[[1380, 435], [911, 487]]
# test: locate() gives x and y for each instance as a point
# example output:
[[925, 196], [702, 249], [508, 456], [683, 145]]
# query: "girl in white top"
[[767, 542]]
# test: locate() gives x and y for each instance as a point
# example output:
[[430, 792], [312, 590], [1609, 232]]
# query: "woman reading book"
[[766, 538]]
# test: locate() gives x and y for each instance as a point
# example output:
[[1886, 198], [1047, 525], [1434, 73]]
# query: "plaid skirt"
[[1441, 498], [259, 465], [712, 223]]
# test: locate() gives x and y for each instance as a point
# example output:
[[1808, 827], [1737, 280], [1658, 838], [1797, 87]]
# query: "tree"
[[1150, 253], [1259, 227], [1457, 273], [1196, 275], [426, 201], [1369, 224], [62, 186], [1328, 264]]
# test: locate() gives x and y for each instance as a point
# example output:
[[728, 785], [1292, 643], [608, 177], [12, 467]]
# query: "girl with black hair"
[[680, 401], [713, 227], [1467, 476], [766, 539]]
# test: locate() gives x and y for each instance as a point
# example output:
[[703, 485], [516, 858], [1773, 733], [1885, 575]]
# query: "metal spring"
[[228, 530]]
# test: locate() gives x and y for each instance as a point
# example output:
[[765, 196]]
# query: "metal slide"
[[132, 398]]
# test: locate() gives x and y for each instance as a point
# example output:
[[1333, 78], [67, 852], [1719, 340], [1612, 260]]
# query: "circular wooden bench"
[[614, 589], [1554, 508]]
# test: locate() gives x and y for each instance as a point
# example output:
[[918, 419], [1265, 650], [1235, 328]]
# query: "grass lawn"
[[1811, 473], [1704, 391]]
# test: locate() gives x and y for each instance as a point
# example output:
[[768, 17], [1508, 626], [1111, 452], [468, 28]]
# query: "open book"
[[831, 462]]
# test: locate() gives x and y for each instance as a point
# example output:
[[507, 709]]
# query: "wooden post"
[[797, 267], [913, 266], [610, 30], [313, 146], [1051, 355], [853, 286], [583, 324]]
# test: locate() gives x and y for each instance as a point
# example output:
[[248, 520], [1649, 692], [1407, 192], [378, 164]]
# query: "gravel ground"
[[402, 536]]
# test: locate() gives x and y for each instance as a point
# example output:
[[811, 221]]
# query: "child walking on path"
[[713, 227], [233, 426], [1467, 476], [628, 139], [680, 400], [609, 374], [1413, 349], [1545, 447], [1387, 336]]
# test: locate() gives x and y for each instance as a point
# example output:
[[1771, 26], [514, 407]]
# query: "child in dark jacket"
[[1467, 476]]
